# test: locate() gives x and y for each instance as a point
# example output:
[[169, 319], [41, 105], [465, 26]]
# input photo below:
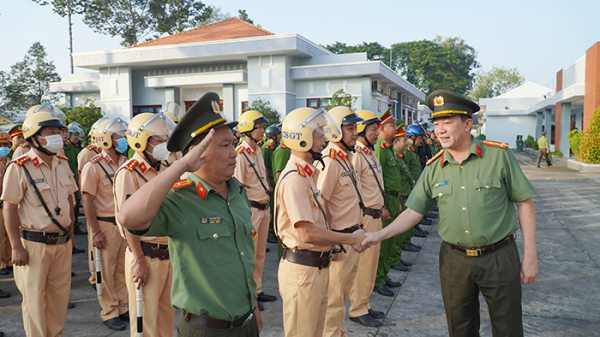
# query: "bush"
[[555, 153], [589, 147], [530, 142], [265, 108], [574, 138], [341, 98], [481, 137], [86, 115]]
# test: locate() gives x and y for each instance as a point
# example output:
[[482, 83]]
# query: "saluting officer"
[[147, 260], [477, 185], [5, 248], [303, 227], [371, 182], [38, 205], [207, 219], [97, 179]]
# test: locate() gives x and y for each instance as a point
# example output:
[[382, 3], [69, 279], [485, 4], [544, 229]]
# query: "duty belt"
[[480, 251], [397, 195], [307, 257], [155, 251], [258, 205], [349, 230], [374, 213], [214, 323], [110, 219], [52, 238]]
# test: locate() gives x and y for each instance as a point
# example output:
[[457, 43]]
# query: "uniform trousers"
[[367, 271], [400, 241], [303, 290], [45, 283], [260, 221], [5, 247], [114, 290], [189, 329], [386, 248], [156, 297], [496, 276], [543, 153]]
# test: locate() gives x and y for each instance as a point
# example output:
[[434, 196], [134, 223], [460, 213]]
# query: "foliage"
[[481, 137], [589, 147], [86, 115], [574, 138], [555, 153], [341, 98], [244, 16], [498, 80], [265, 108], [62, 7], [216, 15], [28, 82], [371, 48], [530, 142], [175, 16]]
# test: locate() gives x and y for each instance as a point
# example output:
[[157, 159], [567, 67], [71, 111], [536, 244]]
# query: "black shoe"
[[421, 230], [260, 307], [366, 320], [400, 267], [4, 271], [420, 234], [376, 314], [94, 287], [393, 284], [124, 317], [411, 248], [384, 291], [406, 263], [4, 294], [115, 324], [77, 250], [272, 240], [268, 249], [71, 305], [538, 166], [549, 165], [416, 246], [78, 231], [262, 297], [1, 334], [425, 222]]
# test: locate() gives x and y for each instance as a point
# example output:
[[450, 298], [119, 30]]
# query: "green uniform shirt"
[[211, 248], [476, 197], [392, 177], [543, 143], [71, 152], [267, 151], [281, 155], [12, 151], [412, 161], [405, 173]]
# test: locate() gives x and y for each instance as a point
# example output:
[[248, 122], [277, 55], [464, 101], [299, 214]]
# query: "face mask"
[[4, 151], [160, 152], [53, 143], [122, 145]]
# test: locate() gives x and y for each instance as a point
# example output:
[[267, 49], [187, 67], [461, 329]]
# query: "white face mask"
[[53, 143], [160, 152]]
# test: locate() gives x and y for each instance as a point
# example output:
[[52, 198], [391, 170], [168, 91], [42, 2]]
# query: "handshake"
[[361, 240]]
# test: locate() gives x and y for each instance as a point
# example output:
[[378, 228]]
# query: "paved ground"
[[563, 301]]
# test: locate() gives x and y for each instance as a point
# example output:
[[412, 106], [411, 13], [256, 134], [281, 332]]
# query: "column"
[[548, 124], [579, 120], [172, 95], [565, 128], [229, 101], [538, 126]]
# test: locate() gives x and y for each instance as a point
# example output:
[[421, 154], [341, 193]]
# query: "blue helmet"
[[431, 128], [415, 130]]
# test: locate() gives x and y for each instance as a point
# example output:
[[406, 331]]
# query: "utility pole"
[[70, 35]]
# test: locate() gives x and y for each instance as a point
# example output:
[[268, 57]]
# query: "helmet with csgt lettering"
[[146, 125], [299, 124]]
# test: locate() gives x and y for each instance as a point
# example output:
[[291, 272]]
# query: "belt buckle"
[[248, 319], [51, 240], [61, 240], [474, 252]]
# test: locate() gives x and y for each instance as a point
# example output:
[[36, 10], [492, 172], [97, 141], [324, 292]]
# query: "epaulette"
[[62, 157], [96, 158], [441, 153], [283, 146], [131, 165], [495, 144], [21, 160], [24, 145], [91, 147], [332, 153], [240, 149], [182, 183], [358, 149], [387, 145]]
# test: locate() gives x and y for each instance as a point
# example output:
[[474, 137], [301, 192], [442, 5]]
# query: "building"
[[240, 62]]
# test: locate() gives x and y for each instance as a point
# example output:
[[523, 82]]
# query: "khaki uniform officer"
[[97, 179], [302, 226], [477, 185], [40, 228], [16, 138], [5, 247], [147, 259], [207, 219], [371, 182], [250, 170]]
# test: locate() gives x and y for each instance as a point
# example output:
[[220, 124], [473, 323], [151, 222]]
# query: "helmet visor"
[[56, 112], [158, 126], [321, 118], [174, 108], [117, 126], [72, 128]]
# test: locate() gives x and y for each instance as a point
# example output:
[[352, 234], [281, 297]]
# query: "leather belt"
[[107, 219], [307, 257], [374, 213], [214, 323], [349, 230], [403, 199], [52, 238], [480, 251], [393, 194], [155, 250], [258, 205]]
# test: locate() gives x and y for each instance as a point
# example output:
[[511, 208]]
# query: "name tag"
[[252, 165], [211, 220], [374, 166], [37, 181], [441, 183], [347, 173]]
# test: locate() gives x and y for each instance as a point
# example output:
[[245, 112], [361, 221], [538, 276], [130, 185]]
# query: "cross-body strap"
[[39, 195], [355, 183], [253, 165], [105, 172], [375, 175]]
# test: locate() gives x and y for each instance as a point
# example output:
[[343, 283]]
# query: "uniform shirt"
[[211, 248], [296, 201], [128, 179], [542, 142], [476, 197], [392, 177], [246, 161], [71, 152], [21, 150], [85, 155], [281, 155], [267, 151], [407, 179], [336, 186], [95, 182], [173, 156], [365, 164], [55, 183], [411, 157]]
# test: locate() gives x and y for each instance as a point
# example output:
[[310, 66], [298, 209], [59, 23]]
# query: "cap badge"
[[216, 107], [438, 101]]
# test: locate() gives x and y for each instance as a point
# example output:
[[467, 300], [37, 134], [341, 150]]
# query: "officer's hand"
[[359, 236], [193, 160], [385, 215], [140, 273], [529, 270], [99, 241], [20, 257], [371, 239]]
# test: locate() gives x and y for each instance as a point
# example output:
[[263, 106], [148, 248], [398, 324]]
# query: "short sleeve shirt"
[[413, 162], [95, 182], [281, 155], [71, 152], [371, 177], [407, 178], [249, 160], [85, 155]]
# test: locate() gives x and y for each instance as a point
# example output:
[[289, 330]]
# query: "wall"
[[326, 88], [268, 79], [116, 92], [574, 74], [592, 83], [506, 128], [143, 95]]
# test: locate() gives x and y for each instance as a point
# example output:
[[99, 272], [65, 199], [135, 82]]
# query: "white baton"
[[140, 320], [98, 273]]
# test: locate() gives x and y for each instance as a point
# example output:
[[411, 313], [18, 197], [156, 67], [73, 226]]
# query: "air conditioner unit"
[[394, 94], [376, 86], [386, 90]]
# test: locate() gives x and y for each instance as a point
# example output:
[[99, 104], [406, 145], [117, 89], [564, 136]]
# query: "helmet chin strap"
[[154, 163], [348, 148], [318, 156], [41, 149], [247, 134], [364, 136]]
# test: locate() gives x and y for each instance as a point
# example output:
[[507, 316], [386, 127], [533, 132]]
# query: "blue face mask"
[[4, 151], [122, 147]]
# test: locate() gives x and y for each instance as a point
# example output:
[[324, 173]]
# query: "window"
[[138, 109], [316, 103]]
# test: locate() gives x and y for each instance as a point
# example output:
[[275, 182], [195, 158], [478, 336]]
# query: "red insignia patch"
[[366, 150], [387, 145], [143, 167], [35, 162], [283, 146], [332, 153], [300, 170], [240, 149], [201, 191], [254, 234], [308, 170], [478, 150], [341, 154], [249, 150]]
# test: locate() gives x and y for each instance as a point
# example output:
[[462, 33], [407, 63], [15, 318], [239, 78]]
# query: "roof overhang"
[[572, 94], [183, 80], [548, 103], [75, 86], [507, 113]]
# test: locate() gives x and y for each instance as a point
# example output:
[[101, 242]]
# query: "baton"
[[98, 273], [140, 320], [92, 266]]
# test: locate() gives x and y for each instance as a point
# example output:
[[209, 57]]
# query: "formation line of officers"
[[342, 192]]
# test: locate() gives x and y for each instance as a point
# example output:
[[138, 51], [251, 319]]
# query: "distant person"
[[543, 149]]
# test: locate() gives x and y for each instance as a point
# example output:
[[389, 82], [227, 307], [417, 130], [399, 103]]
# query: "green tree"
[[86, 115], [371, 48], [28, 82], [265, 108], [216, 15], [574, 138], [244, 16], [341, 98], [589, 148], [175, 16], [495, 82]]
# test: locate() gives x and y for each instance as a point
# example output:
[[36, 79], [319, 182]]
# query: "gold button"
[[464, 208], [248, 280], [461, 166], [242, 253], [215, 235], [467, 232], [487, 186], [440, 194], [462, 187], [236, 227]]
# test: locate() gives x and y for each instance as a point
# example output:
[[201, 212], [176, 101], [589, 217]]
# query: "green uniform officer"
[[72, 149], [414, 135], [207, 220], [477, 185], [272, 136]]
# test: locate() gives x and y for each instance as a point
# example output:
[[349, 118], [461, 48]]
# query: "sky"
[[537, 37]]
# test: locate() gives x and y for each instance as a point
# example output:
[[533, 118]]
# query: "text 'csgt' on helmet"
[[299, 124]]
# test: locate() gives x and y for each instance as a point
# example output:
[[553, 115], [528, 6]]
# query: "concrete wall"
[[78, 98], [506, 128], [268, 79], [574, 74], [116, 92], [307, 89], [143, 95]]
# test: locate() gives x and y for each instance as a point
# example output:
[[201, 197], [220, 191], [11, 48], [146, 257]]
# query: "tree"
[[589, 148], [265, 108], [28, 82], [371, 48], [216, 15], [341, 98], [86, 115], [244, 16], [175, 16], [495, 82]]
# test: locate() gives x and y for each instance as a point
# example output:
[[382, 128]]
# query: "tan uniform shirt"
[[335, 184], [95, 182], [363, 161], [128, 181], [85, 155], [296, 201], [245, 174], [173, 156], [21, 150], [55, 183]]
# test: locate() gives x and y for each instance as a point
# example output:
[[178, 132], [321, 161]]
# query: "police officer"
[[38, 190], [5, 248], [477, 185], [272, 140], [303, 227], [16, 138], [415, 135], [147, 262], [97, 180], [174, 111], [46, 107], [207, 218], [72, 149]]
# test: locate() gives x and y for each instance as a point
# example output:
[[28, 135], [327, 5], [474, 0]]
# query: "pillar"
[[172, 95], [565, 128], [592, 83], [229, 101], [548, 124], [538, 125], [579, 120]]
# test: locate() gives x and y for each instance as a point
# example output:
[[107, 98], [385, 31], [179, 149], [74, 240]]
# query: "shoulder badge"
[[62, 157], [439, 154], [182, 183], [495, 144], [240, 149], [91, 147], [200, 190], [283, 146], [21, 160], [300, 170], [358, 149], [400, 155], [96, 158], [131, 165], [24, 145], [332, 153]]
